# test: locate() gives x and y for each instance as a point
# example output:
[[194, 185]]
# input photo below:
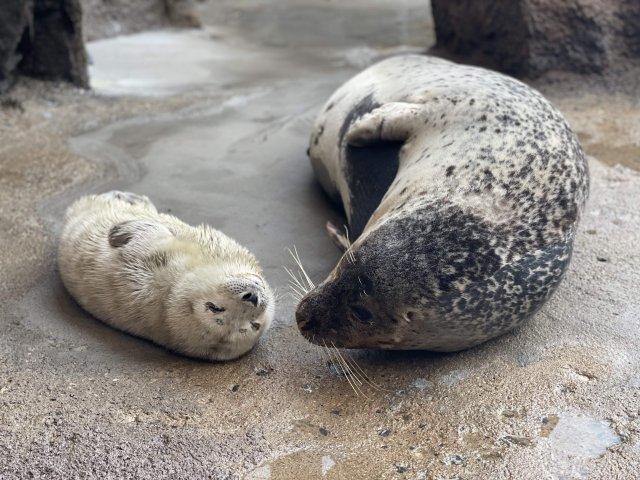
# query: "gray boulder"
[[530, 37], [43, 39], [14, 19]]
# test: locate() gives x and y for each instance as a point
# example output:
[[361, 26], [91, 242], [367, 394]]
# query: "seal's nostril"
[[250, 297], [304, 325]]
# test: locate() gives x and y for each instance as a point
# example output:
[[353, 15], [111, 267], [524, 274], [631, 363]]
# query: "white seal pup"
[[462, 188], [191, 289]]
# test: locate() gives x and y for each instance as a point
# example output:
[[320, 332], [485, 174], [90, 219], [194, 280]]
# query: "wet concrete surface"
[[558, 398]]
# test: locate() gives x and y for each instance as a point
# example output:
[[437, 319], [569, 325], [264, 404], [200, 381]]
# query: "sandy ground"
[[558, 398]]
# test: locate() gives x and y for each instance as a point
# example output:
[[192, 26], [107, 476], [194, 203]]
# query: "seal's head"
[[224, 313], [401, 284], [348, 310], [368, 299]]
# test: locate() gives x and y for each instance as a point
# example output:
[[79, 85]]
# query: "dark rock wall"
[[43, 39], [54, 48], [530, 37], [14, 20], [477, 28]]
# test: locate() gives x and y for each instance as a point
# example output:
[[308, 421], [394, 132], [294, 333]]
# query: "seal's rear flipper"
[[339, 239], [391, 122], [122, 233]]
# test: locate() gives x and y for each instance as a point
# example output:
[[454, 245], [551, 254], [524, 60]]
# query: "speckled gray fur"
[[469, 225]]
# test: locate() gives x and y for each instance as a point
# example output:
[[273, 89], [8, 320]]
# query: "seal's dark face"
[[362, 304], [347, 310]]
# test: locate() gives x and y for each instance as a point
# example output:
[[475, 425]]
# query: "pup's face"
[[228, 313]]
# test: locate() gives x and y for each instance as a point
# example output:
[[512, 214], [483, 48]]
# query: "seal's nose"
[[251, 297], [304, 319]]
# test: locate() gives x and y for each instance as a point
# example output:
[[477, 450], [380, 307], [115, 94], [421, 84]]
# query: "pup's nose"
[[250, 297]]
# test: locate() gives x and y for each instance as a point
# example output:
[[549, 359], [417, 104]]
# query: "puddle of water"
[[577, 439], [152, 63], [167, 62], [578, 436]]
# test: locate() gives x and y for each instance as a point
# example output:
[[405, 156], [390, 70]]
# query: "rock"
[[530, 37], [55, 50], [108, 18], [42, 38], [14, 18]]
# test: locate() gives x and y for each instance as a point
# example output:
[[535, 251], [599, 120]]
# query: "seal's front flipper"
[[391, 122], [339, 239], [122, 233]]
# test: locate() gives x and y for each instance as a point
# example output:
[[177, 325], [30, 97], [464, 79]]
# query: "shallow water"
[[577, 439]]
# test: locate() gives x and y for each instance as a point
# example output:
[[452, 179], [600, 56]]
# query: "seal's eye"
[[214, 308], [361, 313]]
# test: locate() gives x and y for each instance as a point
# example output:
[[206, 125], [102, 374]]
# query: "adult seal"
[[191, 289], [462, 189]]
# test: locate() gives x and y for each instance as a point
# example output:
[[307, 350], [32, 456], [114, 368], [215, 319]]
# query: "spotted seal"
[[191, 289], [462, 189]]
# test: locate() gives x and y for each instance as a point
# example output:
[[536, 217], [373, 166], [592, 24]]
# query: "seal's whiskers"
[[296, 258], [320, 349], [345, 370], [297, 290], [299, 284], [347, 367], [335, 360], [349, 252], [277, 295], [363, 375]]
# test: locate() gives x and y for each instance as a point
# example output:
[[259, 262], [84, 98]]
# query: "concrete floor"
[[559, 398]]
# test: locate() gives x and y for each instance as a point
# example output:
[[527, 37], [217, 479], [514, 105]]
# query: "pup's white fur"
[[191, 289]]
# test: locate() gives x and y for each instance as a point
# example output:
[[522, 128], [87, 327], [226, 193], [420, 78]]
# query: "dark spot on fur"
[[120, 235], [364, 106], [450, 170], [318, 135]]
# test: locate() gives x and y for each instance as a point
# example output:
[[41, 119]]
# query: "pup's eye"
[[361, 313], [214, 308]]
